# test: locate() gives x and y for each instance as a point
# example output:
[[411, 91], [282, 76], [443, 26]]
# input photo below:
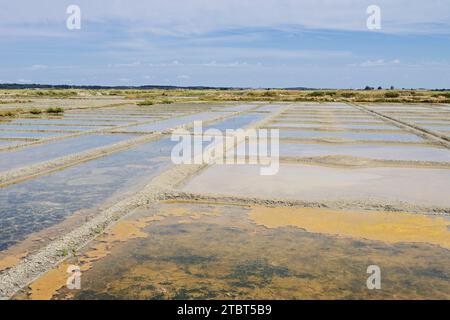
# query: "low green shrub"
[[316, 94], [347, 94], [10, 113], [55, 110], [35, 111], [145, 103], [392, 94]]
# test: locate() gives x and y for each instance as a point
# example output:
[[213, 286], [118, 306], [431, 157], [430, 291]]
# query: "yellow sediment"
[[182, 211], [8, 262], [45, 287], [132, 229], [120, 232], [391, 227], [96, 252], [11, 260]]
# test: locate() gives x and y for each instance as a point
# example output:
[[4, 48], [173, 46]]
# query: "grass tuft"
[[392, 94], [55, 110], [145, 103], [35, 111]]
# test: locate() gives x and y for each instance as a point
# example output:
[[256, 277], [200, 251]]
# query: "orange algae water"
[[392, 227], [209, 251]]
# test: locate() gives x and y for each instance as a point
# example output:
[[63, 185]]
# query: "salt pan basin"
[[408, 153], [317, 183]]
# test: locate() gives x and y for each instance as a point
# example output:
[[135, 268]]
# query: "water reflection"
[[190, 254], [34, 154], [349, 135], [36, 204]]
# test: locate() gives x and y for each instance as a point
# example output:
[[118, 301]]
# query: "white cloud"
[[376, 63], [37, 67], [125, 65], [183, 76], [186, 17], [234, 64]]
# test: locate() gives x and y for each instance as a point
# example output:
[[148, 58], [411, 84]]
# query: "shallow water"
[[326, 114], [367, 151], [241, 107], [380, 126], [350, 135], [437, 128], [402, 107], [333, 125], [240, 121], [50, 128], [51, 123], [434, 122], [35, 204], [18, 134], [270, 108], [328, 117], [38, 153], [171, 123], [416, 111], [351, 121], [425, 117], [112, 116], [202, 251], [416, 186], [9, 142]]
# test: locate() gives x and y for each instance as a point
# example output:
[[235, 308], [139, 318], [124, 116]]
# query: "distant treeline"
[[145, 87], [92, 87], [162, 87]]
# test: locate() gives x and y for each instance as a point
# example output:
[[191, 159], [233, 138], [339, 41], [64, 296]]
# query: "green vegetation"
[[445, 95], [13, 101], [99, 230], [57, 93], [149, 102], [270, 93], [347, 94], [55, 110], [10, 112], [35, 111], [392, 94], [317, 94], [167, 96], [145, 103]]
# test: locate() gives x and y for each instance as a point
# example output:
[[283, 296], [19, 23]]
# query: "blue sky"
[[265, 43]]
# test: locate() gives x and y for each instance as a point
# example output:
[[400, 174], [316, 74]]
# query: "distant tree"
[[380, 88], [368, 88], [392, 88]]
